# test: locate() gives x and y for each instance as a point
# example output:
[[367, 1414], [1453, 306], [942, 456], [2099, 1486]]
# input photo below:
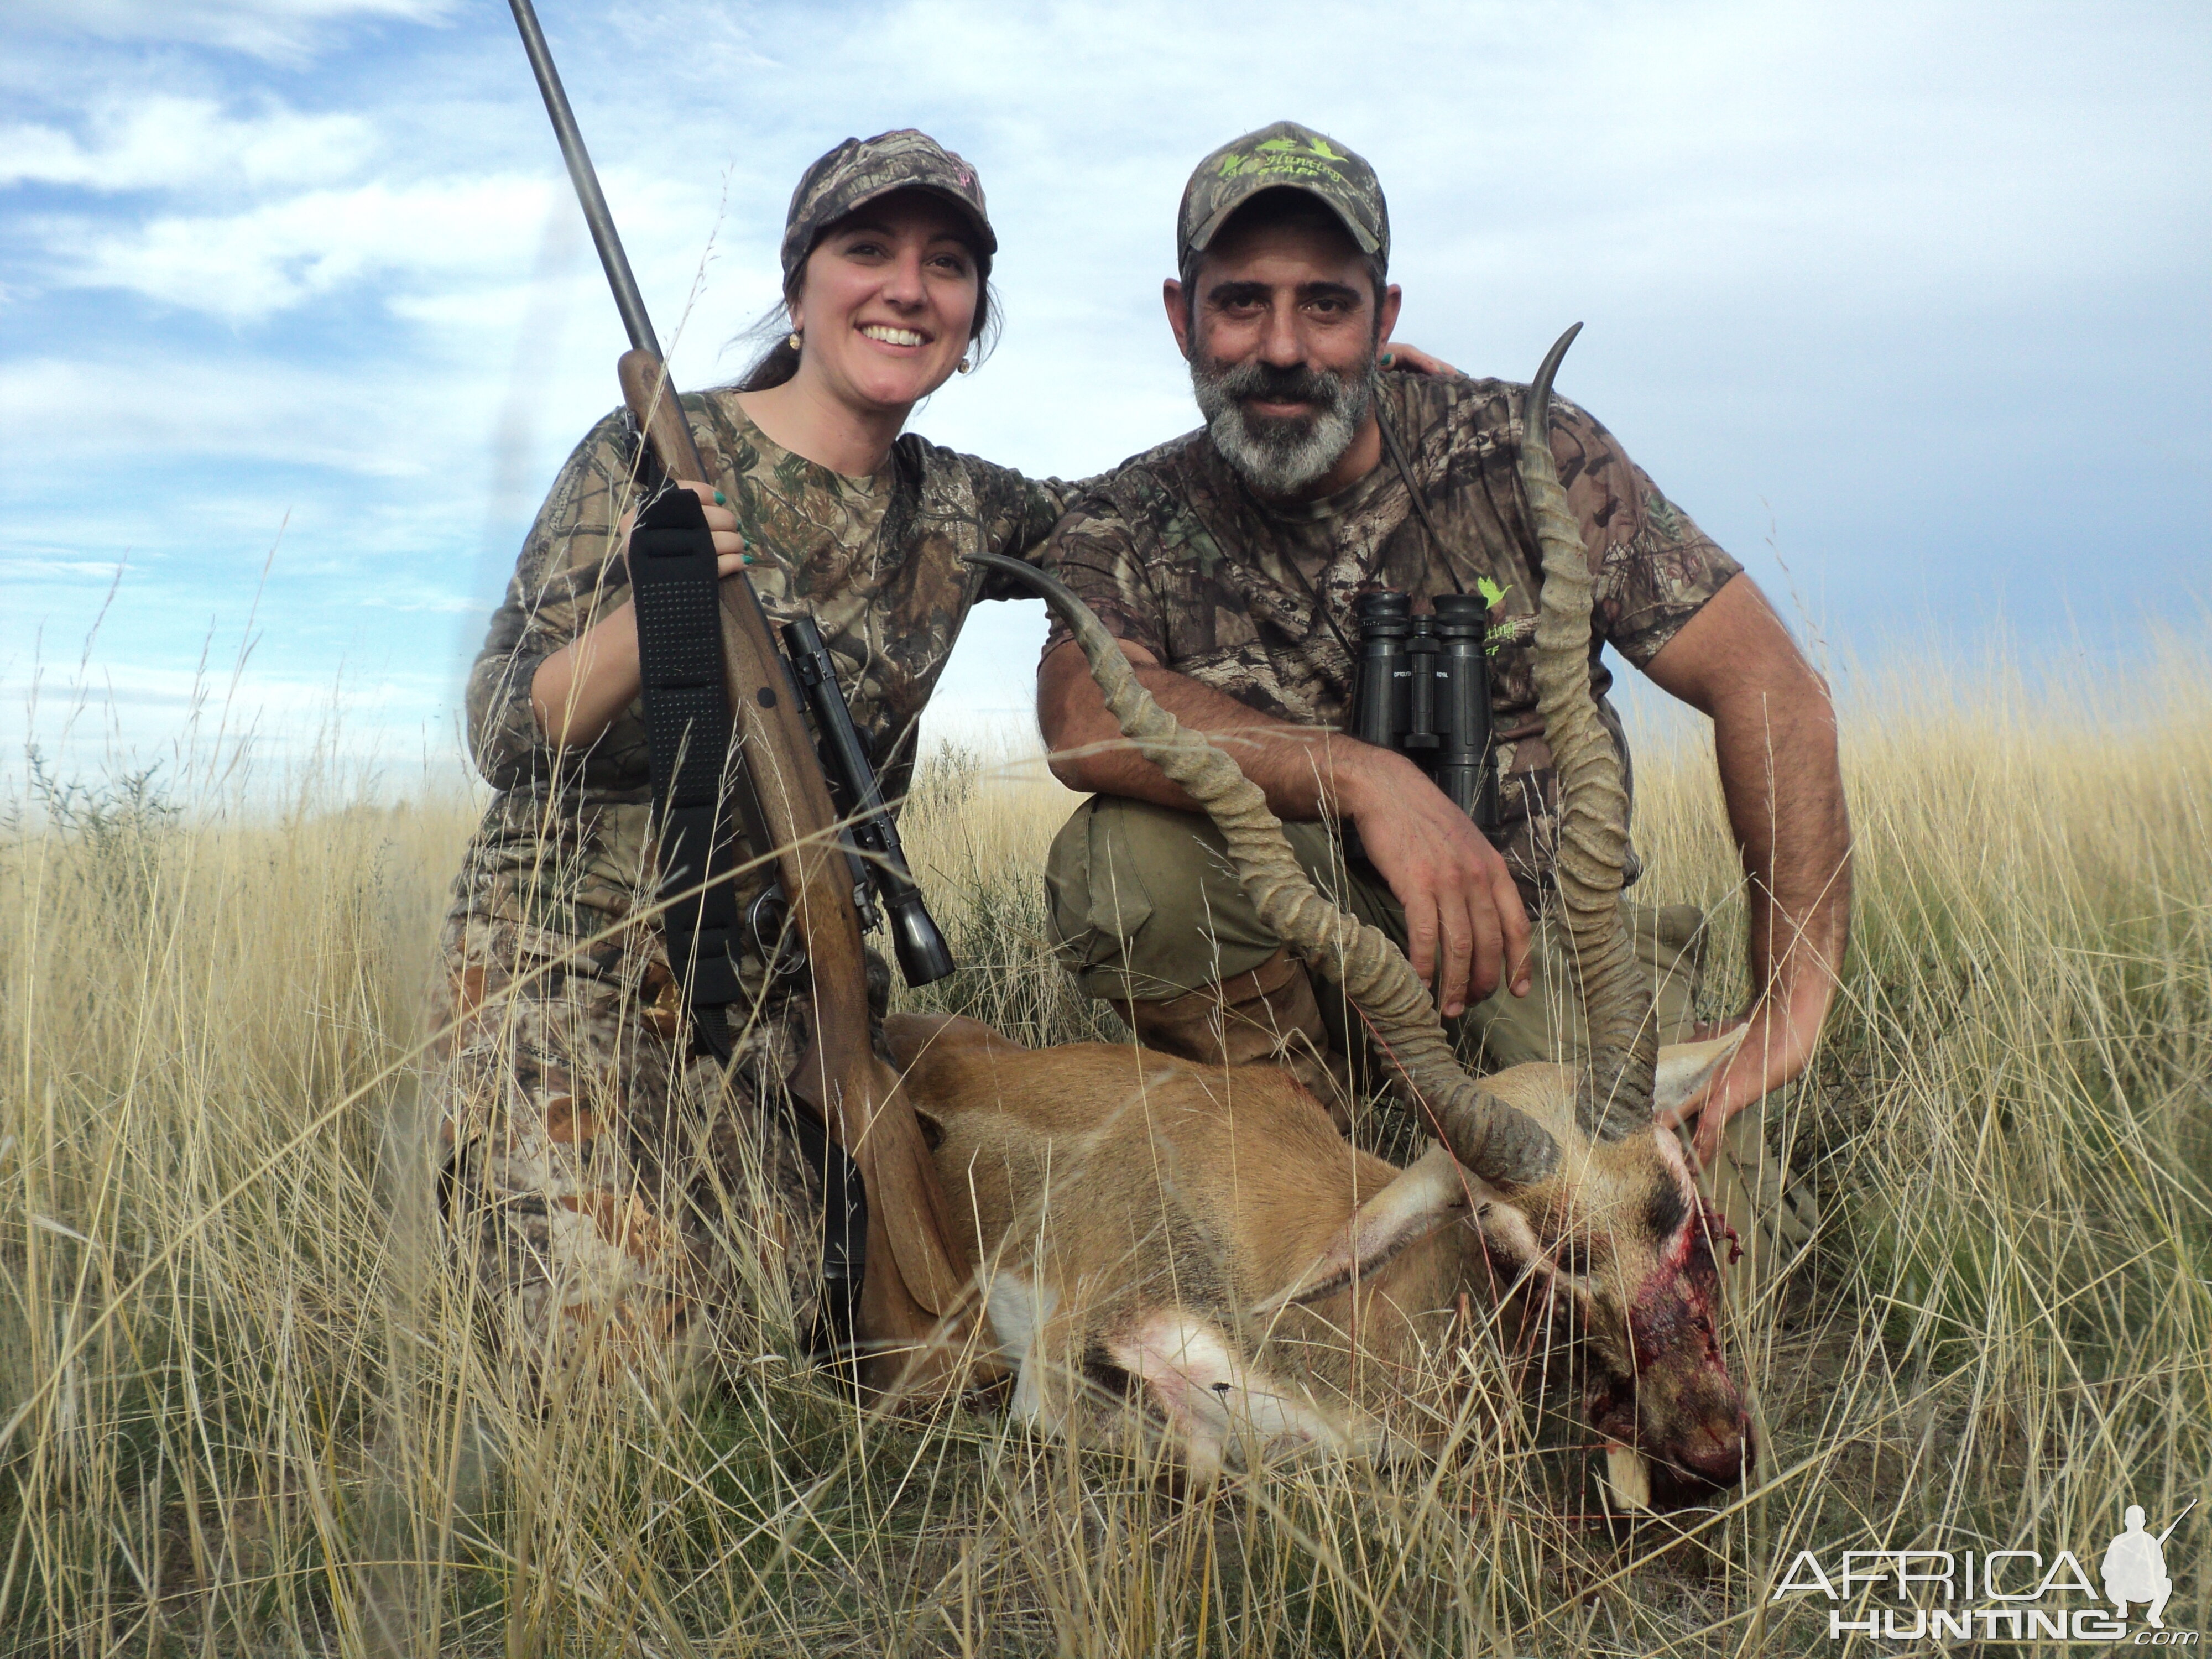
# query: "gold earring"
[[793, 341], [965, 366]]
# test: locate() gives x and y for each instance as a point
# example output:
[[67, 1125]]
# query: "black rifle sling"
[[688, 730], [688, 734]]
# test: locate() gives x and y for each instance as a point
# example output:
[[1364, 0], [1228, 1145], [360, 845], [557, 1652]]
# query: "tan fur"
[[1205, 1237]]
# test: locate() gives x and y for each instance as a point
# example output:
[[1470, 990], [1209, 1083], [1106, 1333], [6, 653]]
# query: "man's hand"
[[1774, 738], [1454, 887], [1775, 1050], [1452, 883]]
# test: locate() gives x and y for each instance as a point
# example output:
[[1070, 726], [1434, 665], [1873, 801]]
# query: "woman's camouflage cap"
[[859, 170], [1283, 156]]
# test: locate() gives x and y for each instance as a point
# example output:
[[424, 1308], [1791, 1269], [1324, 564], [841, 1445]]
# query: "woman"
[[608, 1184]]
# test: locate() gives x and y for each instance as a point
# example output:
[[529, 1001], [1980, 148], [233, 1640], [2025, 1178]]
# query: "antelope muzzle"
[[1679, 1409]]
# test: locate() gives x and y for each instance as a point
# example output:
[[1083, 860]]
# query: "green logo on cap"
[[1282, 156]]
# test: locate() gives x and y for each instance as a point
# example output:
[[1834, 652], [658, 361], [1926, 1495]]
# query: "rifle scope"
[[872, 839]]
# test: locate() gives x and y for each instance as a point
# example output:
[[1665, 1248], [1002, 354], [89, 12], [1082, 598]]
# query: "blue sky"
[[1913, 295]]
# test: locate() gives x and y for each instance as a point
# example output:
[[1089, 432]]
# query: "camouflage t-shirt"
[[876, 561], [1177, 555]]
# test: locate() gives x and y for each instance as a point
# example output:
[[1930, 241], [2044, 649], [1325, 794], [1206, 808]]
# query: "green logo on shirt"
[[1499, 631]]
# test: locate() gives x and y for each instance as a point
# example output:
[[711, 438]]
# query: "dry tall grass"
[[242, 1418]]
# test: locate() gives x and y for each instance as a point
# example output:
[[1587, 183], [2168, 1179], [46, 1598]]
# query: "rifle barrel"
[[2177, 1521], [628, 299]]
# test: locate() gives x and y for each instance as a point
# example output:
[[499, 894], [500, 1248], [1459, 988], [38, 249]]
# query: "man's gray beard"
[[1277, 456]]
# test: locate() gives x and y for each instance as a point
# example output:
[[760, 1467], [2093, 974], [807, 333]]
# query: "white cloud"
[[282, 253], [32, 567], [352, 422], [226, 728], [455, 604], [283, 30], [160, 141], [435, 244]]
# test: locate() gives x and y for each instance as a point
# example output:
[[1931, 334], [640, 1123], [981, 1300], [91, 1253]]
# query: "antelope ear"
[[908, 1036], [1430, 1192], [933, 1128], [1684, 1069]]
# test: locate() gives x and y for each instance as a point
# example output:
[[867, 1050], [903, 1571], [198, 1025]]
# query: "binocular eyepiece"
[[1424, 690]]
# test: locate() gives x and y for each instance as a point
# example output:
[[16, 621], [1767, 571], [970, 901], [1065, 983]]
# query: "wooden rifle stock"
[[911, 1295]]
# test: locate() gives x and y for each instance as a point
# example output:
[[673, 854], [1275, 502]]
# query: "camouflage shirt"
[[876, 561], [1177, 555]]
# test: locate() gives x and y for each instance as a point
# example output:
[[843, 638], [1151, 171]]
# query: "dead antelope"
[[1205, 1237]]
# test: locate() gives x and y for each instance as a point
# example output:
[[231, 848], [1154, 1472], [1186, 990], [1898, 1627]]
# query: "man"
[[2133, 1568], [1227, 561]]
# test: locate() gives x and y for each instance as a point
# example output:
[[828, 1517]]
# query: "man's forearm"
[[1784, 787], [1303, 770], [1465, 925], [1774, 736]]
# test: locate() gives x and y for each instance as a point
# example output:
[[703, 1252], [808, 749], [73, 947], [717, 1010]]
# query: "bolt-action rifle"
[[910, 1292]]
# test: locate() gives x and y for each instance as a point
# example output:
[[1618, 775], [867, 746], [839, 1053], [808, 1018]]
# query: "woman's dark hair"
[[780, 360]]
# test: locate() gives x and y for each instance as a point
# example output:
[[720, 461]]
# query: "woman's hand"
[[1413, 360], [578, 690], [729, 554]]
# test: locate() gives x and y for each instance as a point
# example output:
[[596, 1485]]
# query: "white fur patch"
[[1214, 1404], [1018, 1311]]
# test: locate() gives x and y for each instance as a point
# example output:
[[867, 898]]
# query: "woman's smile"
[[887, 309]]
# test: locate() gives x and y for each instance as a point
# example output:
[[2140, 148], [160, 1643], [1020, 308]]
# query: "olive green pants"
[[1146, 907]]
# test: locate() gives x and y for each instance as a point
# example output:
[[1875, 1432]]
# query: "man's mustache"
[[1279, 383]]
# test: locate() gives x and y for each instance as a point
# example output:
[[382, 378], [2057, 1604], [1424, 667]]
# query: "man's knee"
[[1503, 1030], [1144, 905]]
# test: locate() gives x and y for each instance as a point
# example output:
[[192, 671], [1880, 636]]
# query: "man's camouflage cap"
[[859, 170], [1283, 156]]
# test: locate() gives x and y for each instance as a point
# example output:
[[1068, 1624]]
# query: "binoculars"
[[1424, 690]]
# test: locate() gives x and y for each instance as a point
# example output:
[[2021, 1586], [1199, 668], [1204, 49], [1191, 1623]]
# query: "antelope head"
[[1572, 1185], [1618, 1228]]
